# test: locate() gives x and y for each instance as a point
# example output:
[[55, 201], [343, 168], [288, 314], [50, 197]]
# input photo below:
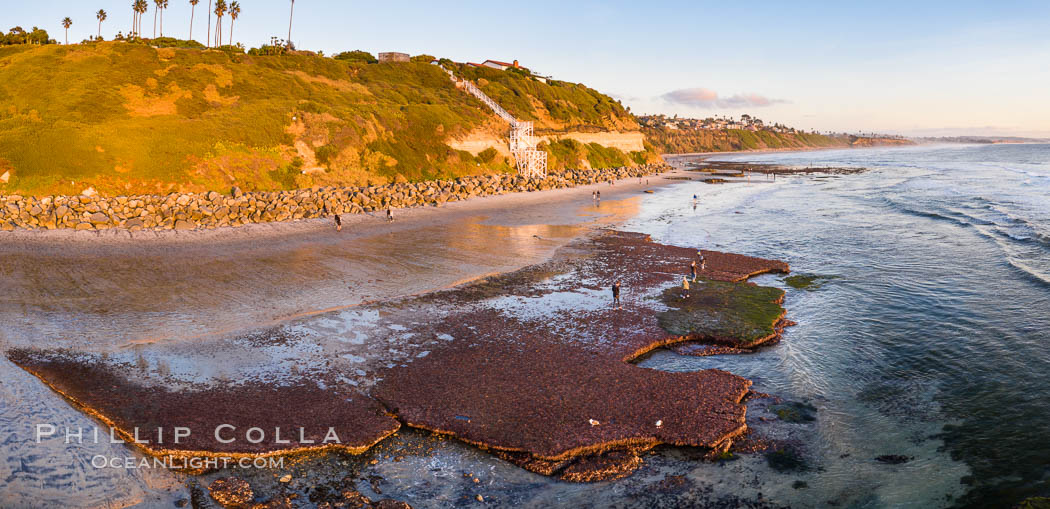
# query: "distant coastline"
[[669, 158]]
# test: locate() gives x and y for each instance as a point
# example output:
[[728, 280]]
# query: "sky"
[[918, 68]]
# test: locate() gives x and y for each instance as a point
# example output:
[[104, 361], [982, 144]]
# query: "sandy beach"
[[125, 288]]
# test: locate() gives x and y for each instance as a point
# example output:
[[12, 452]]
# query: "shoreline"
[[750, 151], [705, 155], [500, 207], [176, 285]]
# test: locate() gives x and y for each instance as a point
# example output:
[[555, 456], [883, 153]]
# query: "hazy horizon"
[[929, 69]]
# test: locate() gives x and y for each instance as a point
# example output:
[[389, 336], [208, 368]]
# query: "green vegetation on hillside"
[[357, 56], [555, 106], [129, 118], [684, 141], [671, 141], [18, 35]]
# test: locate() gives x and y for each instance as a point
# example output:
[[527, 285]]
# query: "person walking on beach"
[[389, 214], [599, 195], [616, 295], [338, 221]]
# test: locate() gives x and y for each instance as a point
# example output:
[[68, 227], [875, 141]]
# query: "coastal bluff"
[[190, 211]]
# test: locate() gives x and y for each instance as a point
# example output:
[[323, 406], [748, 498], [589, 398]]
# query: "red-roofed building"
[[503, 66]]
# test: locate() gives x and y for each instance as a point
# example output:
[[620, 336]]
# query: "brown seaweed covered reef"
[[535, 366]]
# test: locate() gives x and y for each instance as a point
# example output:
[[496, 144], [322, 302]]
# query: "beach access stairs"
[[531, 162]]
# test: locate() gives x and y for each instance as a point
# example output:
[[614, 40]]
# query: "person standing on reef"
[[692, 270], [703, 261], [616, 295]]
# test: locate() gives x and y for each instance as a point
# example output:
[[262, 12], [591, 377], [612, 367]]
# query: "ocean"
[[927, 335]]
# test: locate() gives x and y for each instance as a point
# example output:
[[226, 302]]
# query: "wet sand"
[[118, 288]]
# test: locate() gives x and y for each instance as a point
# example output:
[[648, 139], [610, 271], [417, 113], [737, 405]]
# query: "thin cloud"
[[705, 98], [624, 98]]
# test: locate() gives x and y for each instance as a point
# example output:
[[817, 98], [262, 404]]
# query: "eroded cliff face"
[[621, 140], [492, 135], [480, 139], [571, 149]]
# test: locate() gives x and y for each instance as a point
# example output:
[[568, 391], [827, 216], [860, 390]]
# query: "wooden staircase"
[[531, 162]]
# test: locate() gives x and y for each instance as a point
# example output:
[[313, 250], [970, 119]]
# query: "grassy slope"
[[555, 107], [129, 119]]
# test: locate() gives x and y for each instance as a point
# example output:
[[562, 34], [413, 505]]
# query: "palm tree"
[[143, 9], [209, 23], [220, 11], [156, 10], [193, 10], [163, 7], [101, 15], [140, 8], [290, 14], [235, 11], [66, 23]]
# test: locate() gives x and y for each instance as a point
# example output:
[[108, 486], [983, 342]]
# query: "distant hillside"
[[128, 118], [677, 141], [980, 139]]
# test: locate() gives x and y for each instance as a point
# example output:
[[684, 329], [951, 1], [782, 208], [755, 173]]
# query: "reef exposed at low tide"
[[214, 421], [535, 366]]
